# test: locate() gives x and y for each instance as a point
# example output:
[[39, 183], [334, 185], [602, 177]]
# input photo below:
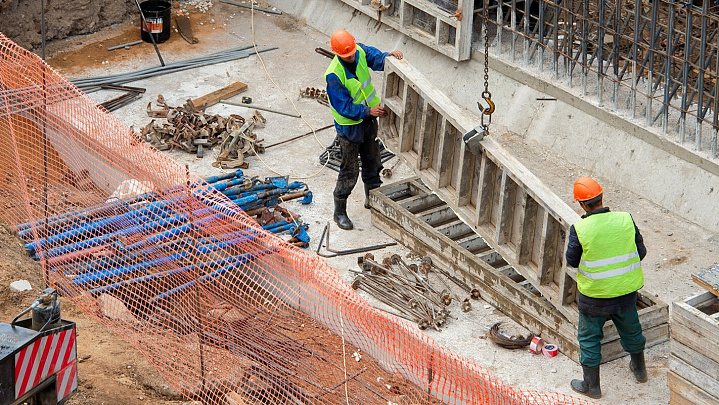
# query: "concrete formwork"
[[593, 137]]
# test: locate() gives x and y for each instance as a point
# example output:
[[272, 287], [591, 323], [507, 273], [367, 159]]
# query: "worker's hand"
[[396, 54], [377, 111]]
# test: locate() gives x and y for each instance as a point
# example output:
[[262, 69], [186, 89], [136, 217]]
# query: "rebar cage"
[[655, 60]]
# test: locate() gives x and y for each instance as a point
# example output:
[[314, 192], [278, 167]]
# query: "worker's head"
[[588, 193], [343, 44]]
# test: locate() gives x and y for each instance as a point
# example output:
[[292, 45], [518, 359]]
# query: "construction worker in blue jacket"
[[355, 106], [607, 249]]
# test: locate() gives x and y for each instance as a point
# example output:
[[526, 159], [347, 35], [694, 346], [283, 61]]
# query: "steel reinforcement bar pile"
[[91, 84]]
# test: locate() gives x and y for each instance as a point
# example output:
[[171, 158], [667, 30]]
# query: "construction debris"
[[195, 131], [91, 84], [508, 341], [318, 94], [184, 26], [131, 94], [404, 288], [333, 153]]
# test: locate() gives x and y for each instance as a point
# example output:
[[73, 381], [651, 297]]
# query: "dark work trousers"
[[590, 335], [368, 152]]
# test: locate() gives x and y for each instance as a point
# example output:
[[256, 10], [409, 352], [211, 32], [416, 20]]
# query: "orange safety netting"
[[224, 309]]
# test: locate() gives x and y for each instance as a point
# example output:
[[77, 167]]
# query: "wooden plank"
[[226, 92], [697, 322], [684, 392], [694, 375], [708, 279], [690, 356]]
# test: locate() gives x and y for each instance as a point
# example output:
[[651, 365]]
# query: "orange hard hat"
[[586, 188], [342, 43]]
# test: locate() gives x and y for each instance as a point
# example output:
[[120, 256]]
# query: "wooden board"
[[507, 205], [408, 212], [708, 279], [694, 328], [684, 392], [221, 94], [441, 31]]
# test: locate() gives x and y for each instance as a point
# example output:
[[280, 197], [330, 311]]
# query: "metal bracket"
[[473, 137]]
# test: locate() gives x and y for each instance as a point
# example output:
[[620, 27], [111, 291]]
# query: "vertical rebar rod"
[[669, 61], [514, 29], [700, 79], [570, 43], [715, 118], [635, 56], [541, 35], [500, 23], [585, 35], [600, 52], [555, 55], [650, 73], [685, 77], [526, 31], [615, 52]]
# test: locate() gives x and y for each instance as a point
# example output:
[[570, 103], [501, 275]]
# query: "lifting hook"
[[487, 96]]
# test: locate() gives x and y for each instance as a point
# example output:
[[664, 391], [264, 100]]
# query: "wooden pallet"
[[409, 212], [694, 361], [440, 31]]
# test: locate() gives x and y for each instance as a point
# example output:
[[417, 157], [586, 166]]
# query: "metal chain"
[[486, 95], [486, 47]]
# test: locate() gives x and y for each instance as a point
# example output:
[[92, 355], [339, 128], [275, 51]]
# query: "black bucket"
[[157, 15]]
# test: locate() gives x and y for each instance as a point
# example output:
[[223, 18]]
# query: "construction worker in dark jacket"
[[354, 104], [607, 248]]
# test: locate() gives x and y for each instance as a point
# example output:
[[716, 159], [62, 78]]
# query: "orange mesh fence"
[[226, 310]]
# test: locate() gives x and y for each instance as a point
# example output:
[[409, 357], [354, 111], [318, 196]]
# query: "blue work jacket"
[[341, 99]]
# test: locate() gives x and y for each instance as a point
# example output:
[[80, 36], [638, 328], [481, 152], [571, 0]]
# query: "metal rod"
[[650, 72], [127, 45], [260, 108], [600, 53], [668, 63], [700, 79], [149, 33], [264, 10], [299, 136], [635, 56], [685, 77], [585, 39]]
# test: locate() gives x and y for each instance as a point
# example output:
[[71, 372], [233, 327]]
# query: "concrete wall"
[[20, 20], [641, 160]]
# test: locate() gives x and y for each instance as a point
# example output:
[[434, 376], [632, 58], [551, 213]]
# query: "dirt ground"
[[113, 372]]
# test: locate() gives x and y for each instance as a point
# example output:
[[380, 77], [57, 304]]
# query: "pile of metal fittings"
[[318, 94], [407, 289], [194, 131]]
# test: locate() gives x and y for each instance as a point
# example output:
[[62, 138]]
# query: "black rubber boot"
[[366, 195], [343, 221], [638, 366], [590, 385]]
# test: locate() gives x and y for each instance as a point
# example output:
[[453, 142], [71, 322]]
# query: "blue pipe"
[[242, 259], [169, 273], [133, 217], [144, 228], [225, 176]]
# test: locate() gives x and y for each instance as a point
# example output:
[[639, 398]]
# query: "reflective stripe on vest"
[[610, 265], [361, 88]]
